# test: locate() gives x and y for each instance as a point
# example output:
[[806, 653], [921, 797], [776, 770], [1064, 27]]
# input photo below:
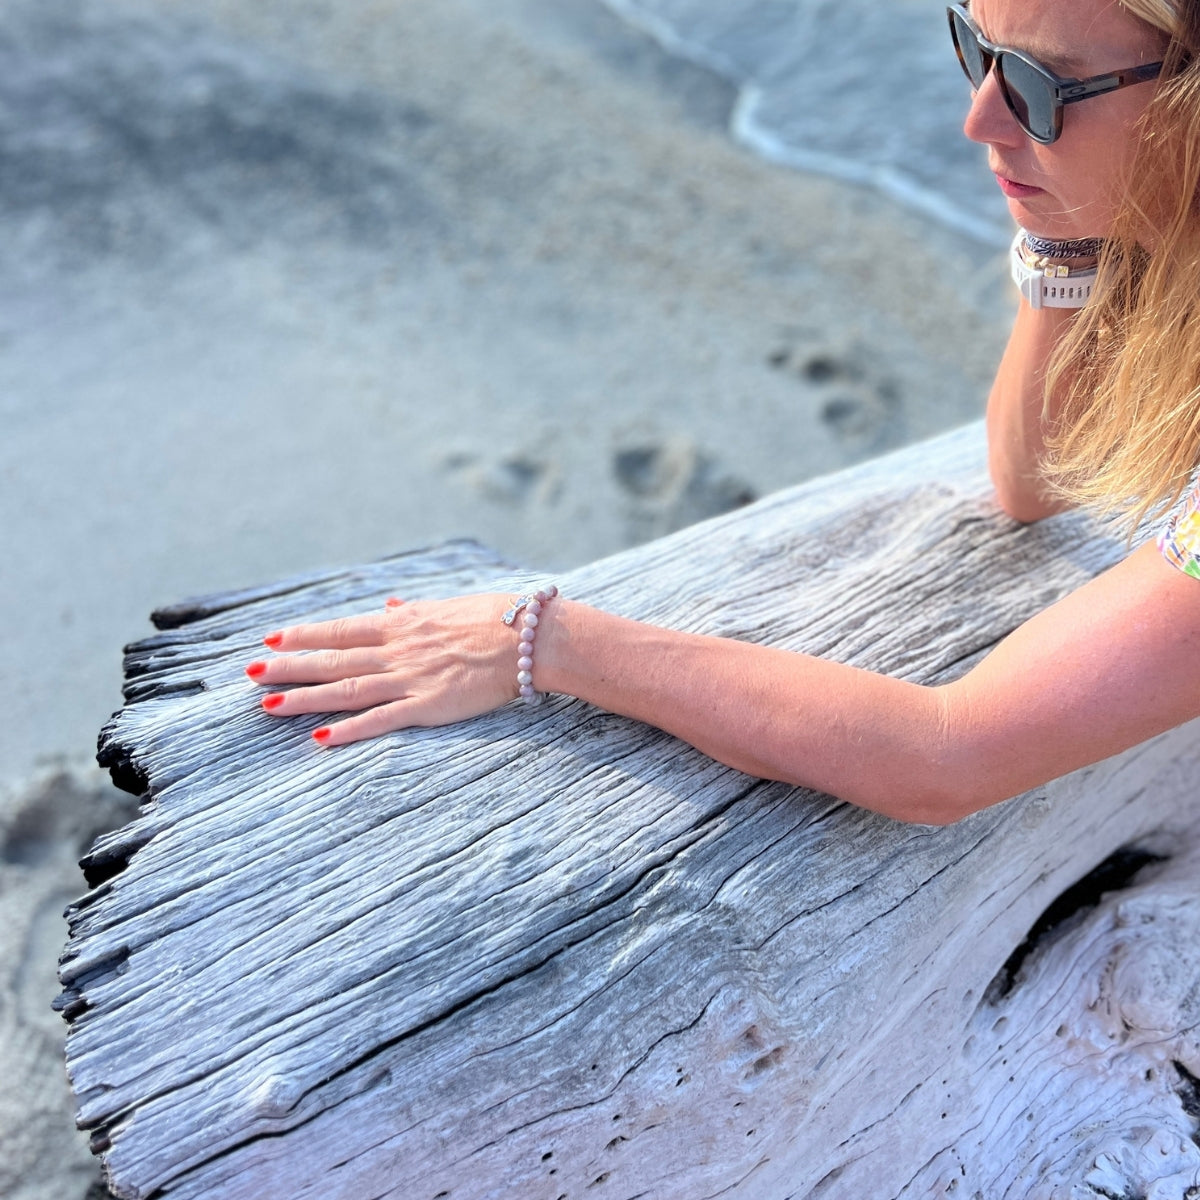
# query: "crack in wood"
[[1188, 1093], [151, 688], [1115, 873]]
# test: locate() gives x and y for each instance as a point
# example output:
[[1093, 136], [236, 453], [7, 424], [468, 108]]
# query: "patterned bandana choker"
[[1076, 248]]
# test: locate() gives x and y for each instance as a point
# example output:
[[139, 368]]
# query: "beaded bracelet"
[[532, 604]]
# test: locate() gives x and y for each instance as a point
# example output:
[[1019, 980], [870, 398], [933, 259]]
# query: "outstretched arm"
[[1103, 669]]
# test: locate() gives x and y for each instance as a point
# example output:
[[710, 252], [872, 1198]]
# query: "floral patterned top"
[[1180, 537]]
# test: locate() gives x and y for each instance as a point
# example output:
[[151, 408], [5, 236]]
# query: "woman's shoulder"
[[1179, 539]]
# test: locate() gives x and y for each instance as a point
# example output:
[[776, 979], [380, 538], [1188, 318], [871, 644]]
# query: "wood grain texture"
[[552, 953]]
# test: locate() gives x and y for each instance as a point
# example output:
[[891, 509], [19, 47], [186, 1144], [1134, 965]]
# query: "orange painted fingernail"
[[274, 640], [270, 703], [255, 669], [323, 734], [394, 602]]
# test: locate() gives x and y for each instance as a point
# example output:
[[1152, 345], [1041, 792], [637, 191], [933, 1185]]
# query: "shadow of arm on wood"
[[553, 953]]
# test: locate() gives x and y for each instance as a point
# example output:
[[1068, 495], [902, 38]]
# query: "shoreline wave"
[[965, 203]]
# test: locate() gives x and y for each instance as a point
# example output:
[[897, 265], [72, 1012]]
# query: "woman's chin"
[[1035, 218], [1043, 216]]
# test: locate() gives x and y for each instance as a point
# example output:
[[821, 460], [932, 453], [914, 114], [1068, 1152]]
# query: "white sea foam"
[[866, 91]]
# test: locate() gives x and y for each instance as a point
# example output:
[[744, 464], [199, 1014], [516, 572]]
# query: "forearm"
[[1044, 702], [1018, 417], [869, 739]]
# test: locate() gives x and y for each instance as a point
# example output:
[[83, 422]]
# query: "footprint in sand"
[[857, 402], [671, 483], [516, 478]]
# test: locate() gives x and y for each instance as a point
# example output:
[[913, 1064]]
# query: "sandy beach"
[[291, 285]]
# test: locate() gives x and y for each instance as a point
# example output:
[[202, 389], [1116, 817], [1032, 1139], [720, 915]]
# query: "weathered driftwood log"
[[555, 954]]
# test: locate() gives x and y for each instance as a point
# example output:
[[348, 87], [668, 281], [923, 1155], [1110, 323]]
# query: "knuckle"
[[335, 666], [397, 619], [389, 717], [340, 629]]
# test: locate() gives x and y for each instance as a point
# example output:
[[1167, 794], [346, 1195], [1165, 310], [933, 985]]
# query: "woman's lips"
[[1016, 191]]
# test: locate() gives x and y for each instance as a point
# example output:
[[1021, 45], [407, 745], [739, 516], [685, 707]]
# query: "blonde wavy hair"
[[1127, 437]]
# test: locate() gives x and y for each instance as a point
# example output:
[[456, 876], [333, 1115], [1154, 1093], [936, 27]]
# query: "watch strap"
[[1049, 285]]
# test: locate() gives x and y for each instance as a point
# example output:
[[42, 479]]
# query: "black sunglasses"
[[1034, 95]]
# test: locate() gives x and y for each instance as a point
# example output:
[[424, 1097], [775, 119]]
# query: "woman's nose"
[[989, 120]]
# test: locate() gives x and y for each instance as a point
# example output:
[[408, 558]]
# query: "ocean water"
[[868, 91]]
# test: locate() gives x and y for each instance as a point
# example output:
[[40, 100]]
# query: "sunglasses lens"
[[1030, 95], [970, 54]]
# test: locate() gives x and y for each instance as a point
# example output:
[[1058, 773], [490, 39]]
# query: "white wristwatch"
[[1049, 285]]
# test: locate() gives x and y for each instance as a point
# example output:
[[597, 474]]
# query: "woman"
[[1090, 110]]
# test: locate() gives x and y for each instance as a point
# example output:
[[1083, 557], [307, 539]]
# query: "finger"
[[341, 634], [347, 695], [319, 666], [384, 719]]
